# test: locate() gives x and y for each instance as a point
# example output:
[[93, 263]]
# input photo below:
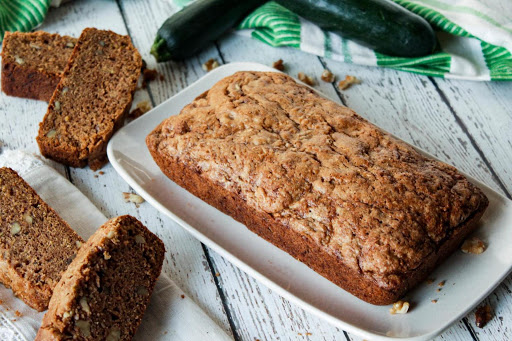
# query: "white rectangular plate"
[[469, 278]]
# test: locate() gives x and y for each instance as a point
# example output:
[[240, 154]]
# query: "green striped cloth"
[[21, 15], [475, 40]]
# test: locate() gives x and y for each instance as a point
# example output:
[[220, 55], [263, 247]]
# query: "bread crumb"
[[434, 301], [438, 289], [483, 315], [148, 75], [442, 283], [327, 76], [217, 274], [141, 108], [347, 82], [278, 65], [210, 64], [430, 280], [17, 313], [306, 79], [473, 245], [182, 296]]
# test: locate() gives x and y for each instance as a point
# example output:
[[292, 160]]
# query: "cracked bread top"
[[323, 171]]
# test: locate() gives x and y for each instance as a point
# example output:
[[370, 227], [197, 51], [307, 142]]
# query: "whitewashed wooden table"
[[466, 124]]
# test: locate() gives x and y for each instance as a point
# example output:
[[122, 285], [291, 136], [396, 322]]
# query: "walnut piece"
[[28, 218], [15, 228], [400, 307], [483, 315], [278, 65], [473, 245], [85, 305], [51, 133], [347, 82], [327, 76], [132, 197], [139, 239], [114, 335], [210, 64], [306, 79], [85, 327]]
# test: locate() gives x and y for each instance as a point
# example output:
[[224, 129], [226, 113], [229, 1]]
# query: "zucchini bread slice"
[[36, 245], [32, 63], [358, 206], [105, 290], [91, 100]]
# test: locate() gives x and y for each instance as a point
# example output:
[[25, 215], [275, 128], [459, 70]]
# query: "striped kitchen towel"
[[23, 15], [475, 40]]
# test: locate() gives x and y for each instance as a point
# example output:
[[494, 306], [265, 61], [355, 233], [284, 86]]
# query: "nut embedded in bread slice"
[[104, 292], [36, 245]]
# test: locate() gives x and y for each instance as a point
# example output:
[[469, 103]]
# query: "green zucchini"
[[188, 31], [381, 25]]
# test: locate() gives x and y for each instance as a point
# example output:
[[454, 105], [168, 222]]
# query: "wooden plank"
[[185, 261], [485, 110]]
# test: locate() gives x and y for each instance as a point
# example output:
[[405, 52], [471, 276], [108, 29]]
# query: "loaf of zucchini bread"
[[355, 204]]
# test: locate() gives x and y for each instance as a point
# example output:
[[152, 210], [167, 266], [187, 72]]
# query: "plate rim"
[[251, 66]]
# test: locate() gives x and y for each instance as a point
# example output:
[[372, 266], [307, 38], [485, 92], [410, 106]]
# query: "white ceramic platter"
[[469, 278]]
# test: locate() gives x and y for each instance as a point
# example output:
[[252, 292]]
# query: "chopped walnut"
[[278, 65], [327, 76], [132, 197], [306, 79], [483, 315], [347, 82], [400, 307], [210, 64], [473, 245]]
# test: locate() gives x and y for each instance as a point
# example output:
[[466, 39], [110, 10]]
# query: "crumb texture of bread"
[[32, 63], [360, 207], [104, 292], [36, 245], [92, 99]]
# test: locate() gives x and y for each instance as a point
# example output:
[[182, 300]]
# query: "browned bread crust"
[[32, 63], [105, 290], [91, 100], [358, 206], [36, 245]]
